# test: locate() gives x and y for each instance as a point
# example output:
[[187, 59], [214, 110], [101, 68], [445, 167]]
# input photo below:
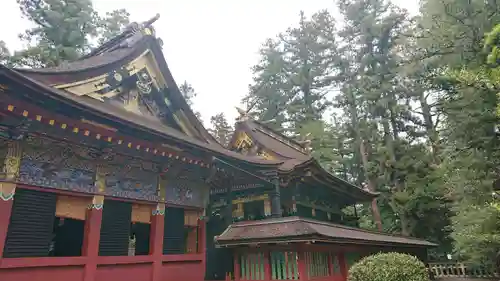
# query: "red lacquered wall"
[[124, 272], [183, 271], [42, 273], [91, 267], [189, 267]]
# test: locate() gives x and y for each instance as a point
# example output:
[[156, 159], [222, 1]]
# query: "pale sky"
[[210, 43]]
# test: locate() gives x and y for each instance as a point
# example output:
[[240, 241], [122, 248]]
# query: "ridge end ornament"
[[243, 114]]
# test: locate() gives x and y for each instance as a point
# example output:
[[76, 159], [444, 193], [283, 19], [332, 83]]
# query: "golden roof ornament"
[[243, 115]]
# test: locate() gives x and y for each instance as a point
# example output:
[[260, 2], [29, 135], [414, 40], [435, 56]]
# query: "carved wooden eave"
[[270, 144], [128, 71], [318, 175], [62, 114], [298, 163]]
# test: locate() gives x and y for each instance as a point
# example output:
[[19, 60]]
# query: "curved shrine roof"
[[276, 142], [124, 117], [295, 229], [120, 50], [294, 155]]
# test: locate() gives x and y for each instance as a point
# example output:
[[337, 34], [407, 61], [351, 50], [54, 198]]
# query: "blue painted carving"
[[56, 164], [53, 176], [143, 189], [185, 193]]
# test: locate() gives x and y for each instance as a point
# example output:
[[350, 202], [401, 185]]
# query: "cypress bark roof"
[[131, 43], [121, 116], [295, 229]]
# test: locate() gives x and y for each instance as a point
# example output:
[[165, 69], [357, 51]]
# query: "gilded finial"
[[151, 20], [243, 114]]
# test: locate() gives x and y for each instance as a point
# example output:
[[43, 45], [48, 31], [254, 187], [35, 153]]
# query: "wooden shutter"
[[72, 207], [31, 224], [115, 228], [174, 235], [141, 232]]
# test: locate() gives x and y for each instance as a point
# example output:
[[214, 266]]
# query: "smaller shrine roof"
[[295, 229], [294, 155], [278, 143]]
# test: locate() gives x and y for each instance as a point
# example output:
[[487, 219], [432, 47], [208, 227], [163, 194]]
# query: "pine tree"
[[294, 75], [452, 45], [112, 24], [221, 129], [63, 30], [4, 53], [189, 94]]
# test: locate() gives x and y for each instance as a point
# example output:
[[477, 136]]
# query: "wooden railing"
[[459, 270]]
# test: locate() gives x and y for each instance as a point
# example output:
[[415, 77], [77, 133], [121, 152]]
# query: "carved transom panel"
[[54, 164], [187, 193]]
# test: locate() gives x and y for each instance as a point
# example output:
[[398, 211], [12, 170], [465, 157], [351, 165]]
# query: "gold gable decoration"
[[265, 155], [243, 141]]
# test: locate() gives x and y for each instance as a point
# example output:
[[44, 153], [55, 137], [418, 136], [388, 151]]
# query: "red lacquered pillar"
[[10, 166], [237, 267], [330, 264], [91, 237], [156, 240], [7, 191], [344, 270], [202, 238], [268, 274], [302, 265]]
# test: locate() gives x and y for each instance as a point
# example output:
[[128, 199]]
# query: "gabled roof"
[[122, 49], [147, 125], [295, 157], [295, 229], [280, 145]]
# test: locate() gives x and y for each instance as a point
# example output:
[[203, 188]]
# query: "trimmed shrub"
[[388, 267]]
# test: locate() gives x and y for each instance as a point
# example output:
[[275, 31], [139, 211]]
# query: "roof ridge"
[[358, 229], [266, 222], [128, 32], [308, 220], [140, 121], [295, 142]]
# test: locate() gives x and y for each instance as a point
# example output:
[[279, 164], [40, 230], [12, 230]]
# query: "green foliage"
[[388, 267], [4, 53], [474, 151], [221, 129], [293, 76], [63, 31], [189, 94], [408, 107], [112, 24]]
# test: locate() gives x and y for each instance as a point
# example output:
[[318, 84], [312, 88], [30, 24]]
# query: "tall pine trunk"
[[390, 139], [430, 128], [363, 156]]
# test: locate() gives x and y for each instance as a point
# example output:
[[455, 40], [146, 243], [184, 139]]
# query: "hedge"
[[388, 267]]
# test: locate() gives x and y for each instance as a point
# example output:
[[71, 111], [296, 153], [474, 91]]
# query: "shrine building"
[[107, 174]]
